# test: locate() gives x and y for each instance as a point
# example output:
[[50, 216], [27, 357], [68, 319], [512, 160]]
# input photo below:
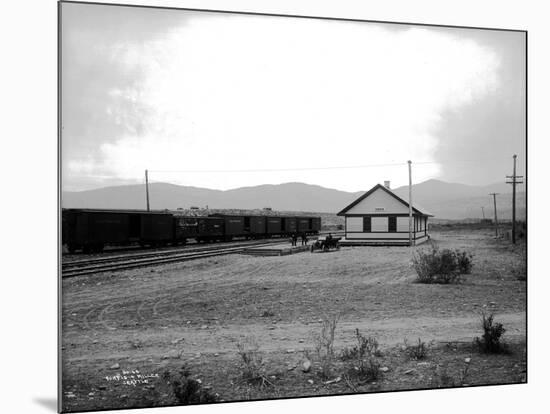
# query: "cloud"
[[250, 92]]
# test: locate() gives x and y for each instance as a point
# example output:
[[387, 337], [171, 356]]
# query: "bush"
[[490, 342], [441, 266], [365, 347], [464, 262], [366, 370], [364, 366], [418, 351], [188, 390]]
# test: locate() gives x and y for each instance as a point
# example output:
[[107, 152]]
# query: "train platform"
[[282, 249], [387, 242]]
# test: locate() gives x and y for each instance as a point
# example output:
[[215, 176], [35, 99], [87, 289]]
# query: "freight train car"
[[91, 230], [210, 229], [274, 226], [289, 225], [201, 229], [255, 226], [308, 225]]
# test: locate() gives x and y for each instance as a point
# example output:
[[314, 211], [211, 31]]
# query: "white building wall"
[[379, 202]]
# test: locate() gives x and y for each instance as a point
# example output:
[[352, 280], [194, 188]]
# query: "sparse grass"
[[490, 342], [252, 364], [444, 378], [363, 365], [418, 351], [186, 389], [365, 347], [324, 344], [366, 370], [520, 271], [441, 266], [519, 266]]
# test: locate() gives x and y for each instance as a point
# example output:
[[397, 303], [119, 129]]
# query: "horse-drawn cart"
[[326, 243]]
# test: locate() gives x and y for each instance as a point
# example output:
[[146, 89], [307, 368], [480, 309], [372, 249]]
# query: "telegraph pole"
[[147, 188], [496, 219], [410, 205], [514, 182]]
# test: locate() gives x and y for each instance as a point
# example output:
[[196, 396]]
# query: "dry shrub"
[[490, 342], [365, 347], [418, 351], [186, 389], [324, 344], [252, 364], [441, 266], [364, 365]]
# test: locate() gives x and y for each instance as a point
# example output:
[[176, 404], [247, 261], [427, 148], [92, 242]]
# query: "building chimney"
[[387, 184]]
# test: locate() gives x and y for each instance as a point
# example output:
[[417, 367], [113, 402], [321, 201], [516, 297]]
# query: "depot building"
[[381, 217]]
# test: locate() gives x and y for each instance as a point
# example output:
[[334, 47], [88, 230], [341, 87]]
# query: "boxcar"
[[273, 226], [255, 226], [185, 228], [303, 224], [289, 225], [91, 230], [309, 225], [316, 225], [210, 229], [234, 226], [156, 229]]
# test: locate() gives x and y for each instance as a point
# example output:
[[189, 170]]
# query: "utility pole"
[[514, 182], [410, 205], [496, 219], [147, 188], [483, 212]]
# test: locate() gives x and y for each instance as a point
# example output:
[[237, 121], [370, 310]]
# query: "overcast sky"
[[183, 92]]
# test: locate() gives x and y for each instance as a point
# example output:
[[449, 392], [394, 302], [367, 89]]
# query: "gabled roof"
[[417, 209]]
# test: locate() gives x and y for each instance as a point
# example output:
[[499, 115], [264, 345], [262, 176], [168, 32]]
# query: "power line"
[[341, 167], [282, 169]]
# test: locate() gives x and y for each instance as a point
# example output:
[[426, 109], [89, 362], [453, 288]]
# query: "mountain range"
[[445, 200]]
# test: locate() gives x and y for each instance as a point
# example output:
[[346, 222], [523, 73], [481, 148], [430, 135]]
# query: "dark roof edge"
[[372, 190]]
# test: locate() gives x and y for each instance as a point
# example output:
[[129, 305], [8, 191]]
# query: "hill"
[[444, 200]]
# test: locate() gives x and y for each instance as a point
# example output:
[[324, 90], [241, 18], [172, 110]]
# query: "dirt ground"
[[146, 322]]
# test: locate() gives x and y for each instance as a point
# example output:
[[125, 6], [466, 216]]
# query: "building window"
[[392, 224], [366, 225]]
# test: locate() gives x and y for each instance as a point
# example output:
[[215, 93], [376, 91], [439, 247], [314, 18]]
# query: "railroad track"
[[156, 253], [144, 262], [131, 261]]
